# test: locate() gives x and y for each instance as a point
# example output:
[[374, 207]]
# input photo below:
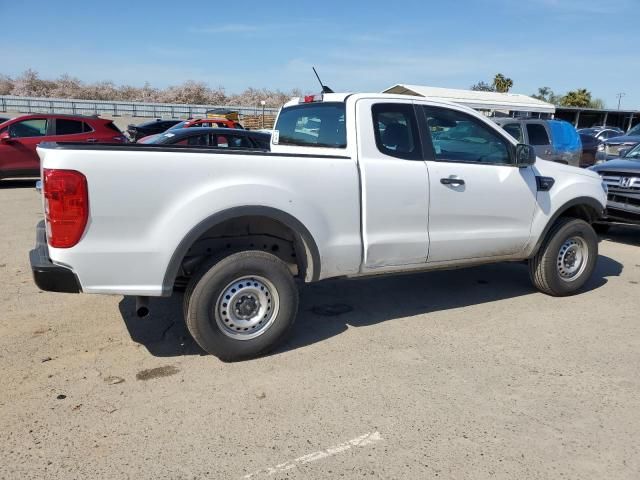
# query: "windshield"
[[588, 131], [634, 152], [635, 130], [150, 139], [178, 125]]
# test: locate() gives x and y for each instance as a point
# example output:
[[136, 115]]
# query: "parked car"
[[601, 132], [589, 150], [211, 137], [622, 177], [224, 113], [611, 147], [158, 125], [197, 122], [373, 191], [554, 140], [208, 122], [20, 136]]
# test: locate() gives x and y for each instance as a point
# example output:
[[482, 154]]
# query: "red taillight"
[[66, 206]]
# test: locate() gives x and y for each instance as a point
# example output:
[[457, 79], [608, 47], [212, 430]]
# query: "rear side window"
[[396, 130], [313, 125], [537, 134], [68, 127], [112, 126], [514, 130]]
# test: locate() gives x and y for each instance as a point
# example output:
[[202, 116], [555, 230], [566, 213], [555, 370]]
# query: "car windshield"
[[166, 137], [150, 139], [634, 153], [635, 130], [588, 131], [178, 125]]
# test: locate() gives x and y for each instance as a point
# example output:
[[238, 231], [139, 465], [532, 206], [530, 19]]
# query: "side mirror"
[[623, 152], [5, 137], [525, 155]]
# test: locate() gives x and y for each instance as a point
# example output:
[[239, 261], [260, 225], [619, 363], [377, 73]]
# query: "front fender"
[[572, 188]]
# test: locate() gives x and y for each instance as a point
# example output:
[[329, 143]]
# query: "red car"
[[211, 123], [197, 122], [20, 136]]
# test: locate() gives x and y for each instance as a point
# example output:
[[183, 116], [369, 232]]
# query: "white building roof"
[[513, 102]]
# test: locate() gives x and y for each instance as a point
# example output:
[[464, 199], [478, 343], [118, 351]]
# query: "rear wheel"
[[241, 306], [566, 259]]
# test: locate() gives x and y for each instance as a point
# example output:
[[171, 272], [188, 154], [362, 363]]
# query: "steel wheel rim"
[[247, 307], [572, 258]]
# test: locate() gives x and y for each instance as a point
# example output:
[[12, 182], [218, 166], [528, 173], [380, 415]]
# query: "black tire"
[[544, 266], [601, 228], [204, 293]]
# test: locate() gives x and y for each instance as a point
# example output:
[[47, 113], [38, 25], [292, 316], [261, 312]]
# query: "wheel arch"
[[585, 208], [310, 264]]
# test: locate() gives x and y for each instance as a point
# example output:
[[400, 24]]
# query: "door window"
[[537, 134], [68, 127], [396, 130], [515, 130], [459, 137], [197, 141], [35, 127], [230, 141]]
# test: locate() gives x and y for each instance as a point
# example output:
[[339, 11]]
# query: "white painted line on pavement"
[[361, 441]]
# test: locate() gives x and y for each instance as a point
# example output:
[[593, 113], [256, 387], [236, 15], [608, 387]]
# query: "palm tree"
[[501, 83], [577, 98]]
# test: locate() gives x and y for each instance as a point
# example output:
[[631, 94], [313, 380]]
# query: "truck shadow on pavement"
[[627, 234], [328, 308]]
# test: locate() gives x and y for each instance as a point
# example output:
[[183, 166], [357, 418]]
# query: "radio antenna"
[[325, 89]]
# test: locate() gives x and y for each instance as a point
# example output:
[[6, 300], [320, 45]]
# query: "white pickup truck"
[[354, 185]]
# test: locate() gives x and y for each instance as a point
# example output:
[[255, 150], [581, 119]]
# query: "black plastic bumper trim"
[[48, 276]]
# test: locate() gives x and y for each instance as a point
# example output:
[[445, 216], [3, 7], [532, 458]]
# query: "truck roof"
[[341, 97]]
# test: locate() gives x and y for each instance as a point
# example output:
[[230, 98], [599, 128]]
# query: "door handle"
[[92, 140], [452, 181]]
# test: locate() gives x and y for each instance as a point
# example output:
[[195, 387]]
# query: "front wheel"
[[566, 259], [241, 306]]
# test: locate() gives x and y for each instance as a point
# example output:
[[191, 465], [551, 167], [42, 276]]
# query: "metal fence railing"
[[9, 103]]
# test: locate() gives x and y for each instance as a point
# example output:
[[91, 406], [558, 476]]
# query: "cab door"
[[481, 204], [394, 185]]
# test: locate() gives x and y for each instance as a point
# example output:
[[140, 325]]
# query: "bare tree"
[[30, 84], [6, 84]]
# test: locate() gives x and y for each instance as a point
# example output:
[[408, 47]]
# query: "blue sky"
[[357, 46]]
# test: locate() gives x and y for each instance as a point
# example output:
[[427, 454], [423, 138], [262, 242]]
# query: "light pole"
[[620, 95], [263, 103]]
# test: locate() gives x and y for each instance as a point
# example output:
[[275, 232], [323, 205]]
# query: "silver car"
[[554, 140]]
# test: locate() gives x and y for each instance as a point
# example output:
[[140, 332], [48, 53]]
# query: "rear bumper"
[[48, 276]]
